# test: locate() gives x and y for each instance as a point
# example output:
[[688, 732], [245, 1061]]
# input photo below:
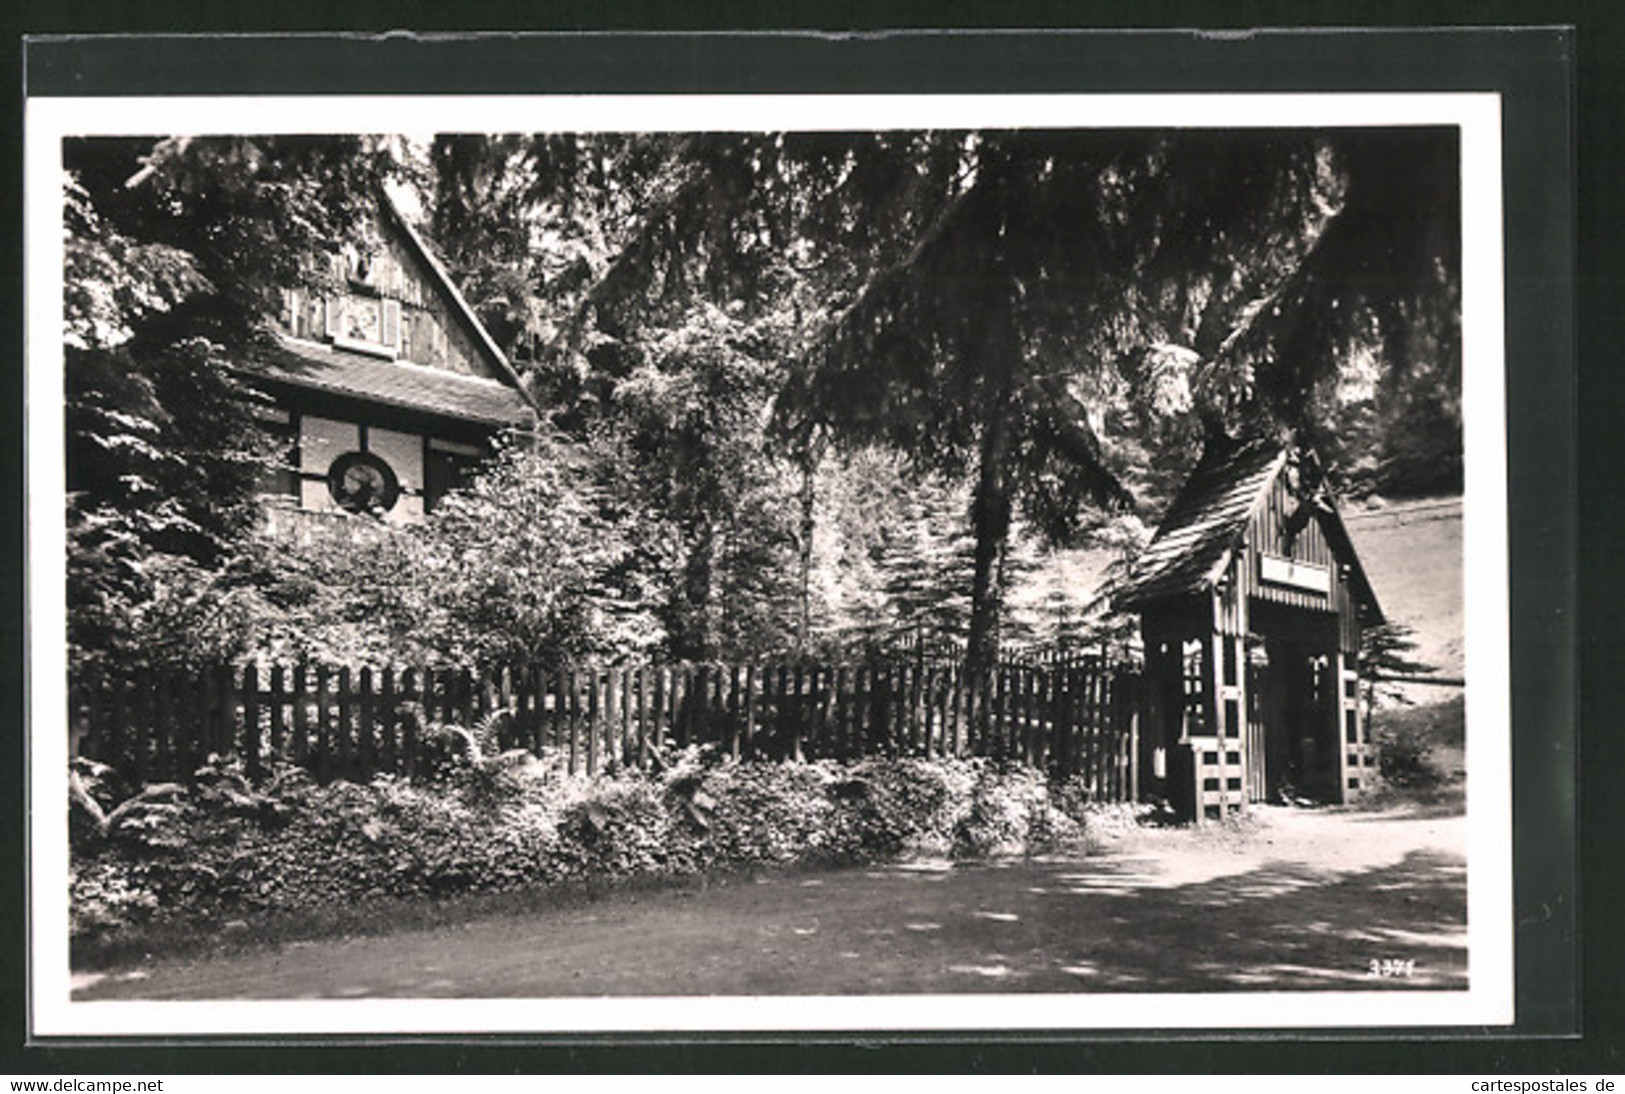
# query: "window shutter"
[[391, 333], [330, 317]]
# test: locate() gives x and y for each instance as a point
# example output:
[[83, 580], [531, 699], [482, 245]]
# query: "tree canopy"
[[1046, 314], [814, 388]]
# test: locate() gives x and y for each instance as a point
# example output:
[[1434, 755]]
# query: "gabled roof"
[[1208, 522], [1337, 534], [314, 366], [460, 306]]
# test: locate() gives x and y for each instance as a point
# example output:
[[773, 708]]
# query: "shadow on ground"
[[1112, 923], [1280, 926]]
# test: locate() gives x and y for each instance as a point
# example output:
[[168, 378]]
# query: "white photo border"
[[1487, 1002]]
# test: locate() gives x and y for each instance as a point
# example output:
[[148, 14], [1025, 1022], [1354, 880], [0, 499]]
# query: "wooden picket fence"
[[1081, 719]]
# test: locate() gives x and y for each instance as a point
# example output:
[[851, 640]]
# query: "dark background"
[[1560, 109]]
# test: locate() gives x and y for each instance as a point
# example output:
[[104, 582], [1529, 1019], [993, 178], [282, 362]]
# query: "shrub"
[[221, 847], [1009, 812], [892, 806], [1404, 756]]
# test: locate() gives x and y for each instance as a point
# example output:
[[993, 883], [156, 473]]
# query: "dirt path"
[[1294, 899]]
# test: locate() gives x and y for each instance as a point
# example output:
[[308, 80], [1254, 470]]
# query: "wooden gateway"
[[1251, 603]]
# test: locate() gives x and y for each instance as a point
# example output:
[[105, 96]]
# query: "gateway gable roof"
[[1208, 522]]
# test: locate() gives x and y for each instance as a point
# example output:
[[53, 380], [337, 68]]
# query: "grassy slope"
[[1412, 554]]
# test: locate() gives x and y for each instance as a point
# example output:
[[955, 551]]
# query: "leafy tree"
[[1057, 316], [531, 562], [1389, 650], [526, 565], [694, 412], [675, 356], [1380, 291], [1056, 268], [923, 560]]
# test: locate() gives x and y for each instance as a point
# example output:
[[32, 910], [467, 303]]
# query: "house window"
[[448, 466], [279, 477], [363, 483], [360, 468], [366, 324]]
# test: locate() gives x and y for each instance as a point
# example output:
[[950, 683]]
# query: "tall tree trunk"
[[809, 499], [990, 523], [696, 631]]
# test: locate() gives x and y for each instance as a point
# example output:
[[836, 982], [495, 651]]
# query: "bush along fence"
[[1078, 719]]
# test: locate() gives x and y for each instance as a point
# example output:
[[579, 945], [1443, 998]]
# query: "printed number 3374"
[[1391, 967]]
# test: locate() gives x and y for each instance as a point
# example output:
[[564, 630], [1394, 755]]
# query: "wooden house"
[[387, 391], [1251, 602]]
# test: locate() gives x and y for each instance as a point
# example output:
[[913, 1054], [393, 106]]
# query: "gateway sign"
[[1298, 575]]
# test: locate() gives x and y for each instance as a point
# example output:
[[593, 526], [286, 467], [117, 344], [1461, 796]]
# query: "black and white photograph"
[[844, 563]]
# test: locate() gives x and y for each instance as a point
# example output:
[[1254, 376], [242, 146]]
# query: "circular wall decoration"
[[363, 483]]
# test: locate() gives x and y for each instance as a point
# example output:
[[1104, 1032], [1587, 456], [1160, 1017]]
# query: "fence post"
[[641, 717], [300, 744], [799, 717], [612, 713], [826, 712], [682, 681], [570, 714], [118, 736], [1076, 679], [1001, 711], [840, 708], [251, 720], [324, 725], [750, 711], [731, 683], [780, 678], [1045, 705], [594, 709], [201, 713], [1136, 707], [388, 721], [1098, 732], [880, 710], [344, 753], [416, 715], [366, 746], [1025, 682], [658, 709], [623, 746], [535, 725], [535, 703], [277, 687]]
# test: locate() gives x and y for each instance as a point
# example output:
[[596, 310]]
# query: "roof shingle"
[[1205, 522], [400, 384]]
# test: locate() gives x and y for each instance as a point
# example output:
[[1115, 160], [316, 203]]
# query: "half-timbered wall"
[[426, 465], [1254, 679]]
